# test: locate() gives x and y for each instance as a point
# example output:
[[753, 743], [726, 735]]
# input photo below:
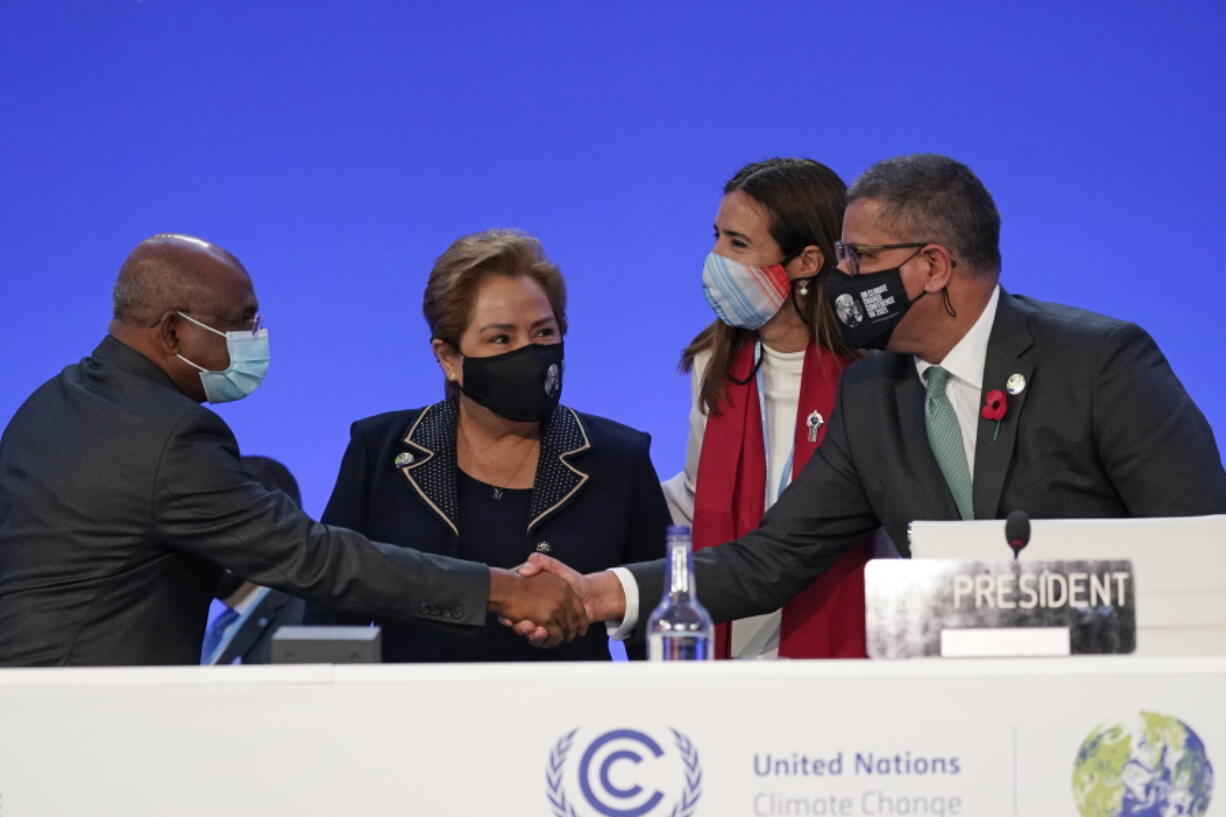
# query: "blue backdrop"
[[337, 148]]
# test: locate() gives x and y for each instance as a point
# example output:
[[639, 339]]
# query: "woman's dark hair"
[[804, 202]]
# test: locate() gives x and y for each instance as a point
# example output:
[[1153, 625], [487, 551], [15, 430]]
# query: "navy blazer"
[[596, 503]]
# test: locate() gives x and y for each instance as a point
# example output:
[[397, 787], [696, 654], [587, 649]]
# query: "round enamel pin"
[[402, 459], [1016, 384]]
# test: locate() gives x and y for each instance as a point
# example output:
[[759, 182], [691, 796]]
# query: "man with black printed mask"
[[982, 402]]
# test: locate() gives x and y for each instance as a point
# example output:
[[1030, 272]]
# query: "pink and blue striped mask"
[[743, 296]]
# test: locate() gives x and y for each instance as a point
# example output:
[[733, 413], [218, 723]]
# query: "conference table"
[[984, 737]]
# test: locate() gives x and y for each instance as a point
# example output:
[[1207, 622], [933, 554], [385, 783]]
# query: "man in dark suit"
[[983, 403], [242, 632], [120, 495]]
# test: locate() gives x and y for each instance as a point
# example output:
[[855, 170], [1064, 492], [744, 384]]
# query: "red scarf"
[[826, 619]]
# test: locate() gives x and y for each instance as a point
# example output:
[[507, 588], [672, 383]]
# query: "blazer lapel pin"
[[995, 407], [1016, 384], [403, 458], [814, 422]]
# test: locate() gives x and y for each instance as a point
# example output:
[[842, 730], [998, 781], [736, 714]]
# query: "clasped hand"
[[542, 605], [599, 598]]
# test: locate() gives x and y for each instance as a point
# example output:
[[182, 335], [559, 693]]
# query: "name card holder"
[[979, 609], [1005, 642]]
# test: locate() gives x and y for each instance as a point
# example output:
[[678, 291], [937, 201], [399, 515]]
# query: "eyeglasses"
[[252, 324], [849, 255]]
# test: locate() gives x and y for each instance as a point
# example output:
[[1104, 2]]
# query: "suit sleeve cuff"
[[622, 631]]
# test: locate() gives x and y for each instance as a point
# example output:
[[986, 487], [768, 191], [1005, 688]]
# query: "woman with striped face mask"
[[764, 377]]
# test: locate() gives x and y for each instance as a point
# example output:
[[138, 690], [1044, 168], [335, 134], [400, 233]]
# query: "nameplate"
[[935, 607], [327, 645]]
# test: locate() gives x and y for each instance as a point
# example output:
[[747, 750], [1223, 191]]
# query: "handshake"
[[548, 603]]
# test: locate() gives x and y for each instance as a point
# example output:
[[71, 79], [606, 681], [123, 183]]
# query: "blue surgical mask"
[[248, 363]]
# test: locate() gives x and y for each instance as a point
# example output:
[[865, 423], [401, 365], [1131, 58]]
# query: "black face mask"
[[868, 306], [523, 385]]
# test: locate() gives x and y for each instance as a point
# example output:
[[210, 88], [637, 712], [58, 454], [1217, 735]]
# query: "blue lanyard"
[[786, 476]]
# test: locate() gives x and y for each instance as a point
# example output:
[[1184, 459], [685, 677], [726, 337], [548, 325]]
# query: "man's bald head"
[[171, 276], [172, 272]]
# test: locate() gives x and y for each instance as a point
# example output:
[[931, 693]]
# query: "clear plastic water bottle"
[[680, 628]]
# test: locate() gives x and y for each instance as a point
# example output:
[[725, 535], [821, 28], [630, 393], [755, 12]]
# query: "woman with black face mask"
[[764, 378], [498, 469]]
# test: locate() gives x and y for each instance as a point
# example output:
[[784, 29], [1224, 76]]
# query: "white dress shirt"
[[965, 364]]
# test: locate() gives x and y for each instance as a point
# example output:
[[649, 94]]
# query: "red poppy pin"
[[994, 408]]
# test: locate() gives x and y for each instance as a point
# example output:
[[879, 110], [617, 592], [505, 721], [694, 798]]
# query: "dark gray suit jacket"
[[119, 498], [1103, 429]]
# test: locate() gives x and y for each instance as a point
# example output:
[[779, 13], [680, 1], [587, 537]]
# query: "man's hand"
[[601, 594], [544, 600]]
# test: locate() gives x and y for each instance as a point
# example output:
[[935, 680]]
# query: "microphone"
[[1017, 531]]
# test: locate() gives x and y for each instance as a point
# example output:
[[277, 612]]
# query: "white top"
[[781, 373], [758, 636], [965, 363]]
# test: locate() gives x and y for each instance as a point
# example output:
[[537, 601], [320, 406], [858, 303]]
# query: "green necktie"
[[945, 439]]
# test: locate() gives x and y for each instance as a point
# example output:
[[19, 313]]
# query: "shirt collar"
[[969, 356]]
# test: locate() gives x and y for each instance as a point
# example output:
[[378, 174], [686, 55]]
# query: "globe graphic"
[[1154, 767]]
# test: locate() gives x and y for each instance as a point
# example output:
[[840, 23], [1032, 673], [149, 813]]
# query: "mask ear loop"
[[807, 281], [757, 364], [949, 307]]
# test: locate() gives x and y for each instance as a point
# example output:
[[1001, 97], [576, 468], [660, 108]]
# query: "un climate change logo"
[[1154, 767], [624, 773]]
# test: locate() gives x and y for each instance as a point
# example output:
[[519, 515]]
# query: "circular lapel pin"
[[404, 458], [1016, 384]]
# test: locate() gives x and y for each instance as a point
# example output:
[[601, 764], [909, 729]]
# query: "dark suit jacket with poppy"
[[1103, 429], [596, 503]]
